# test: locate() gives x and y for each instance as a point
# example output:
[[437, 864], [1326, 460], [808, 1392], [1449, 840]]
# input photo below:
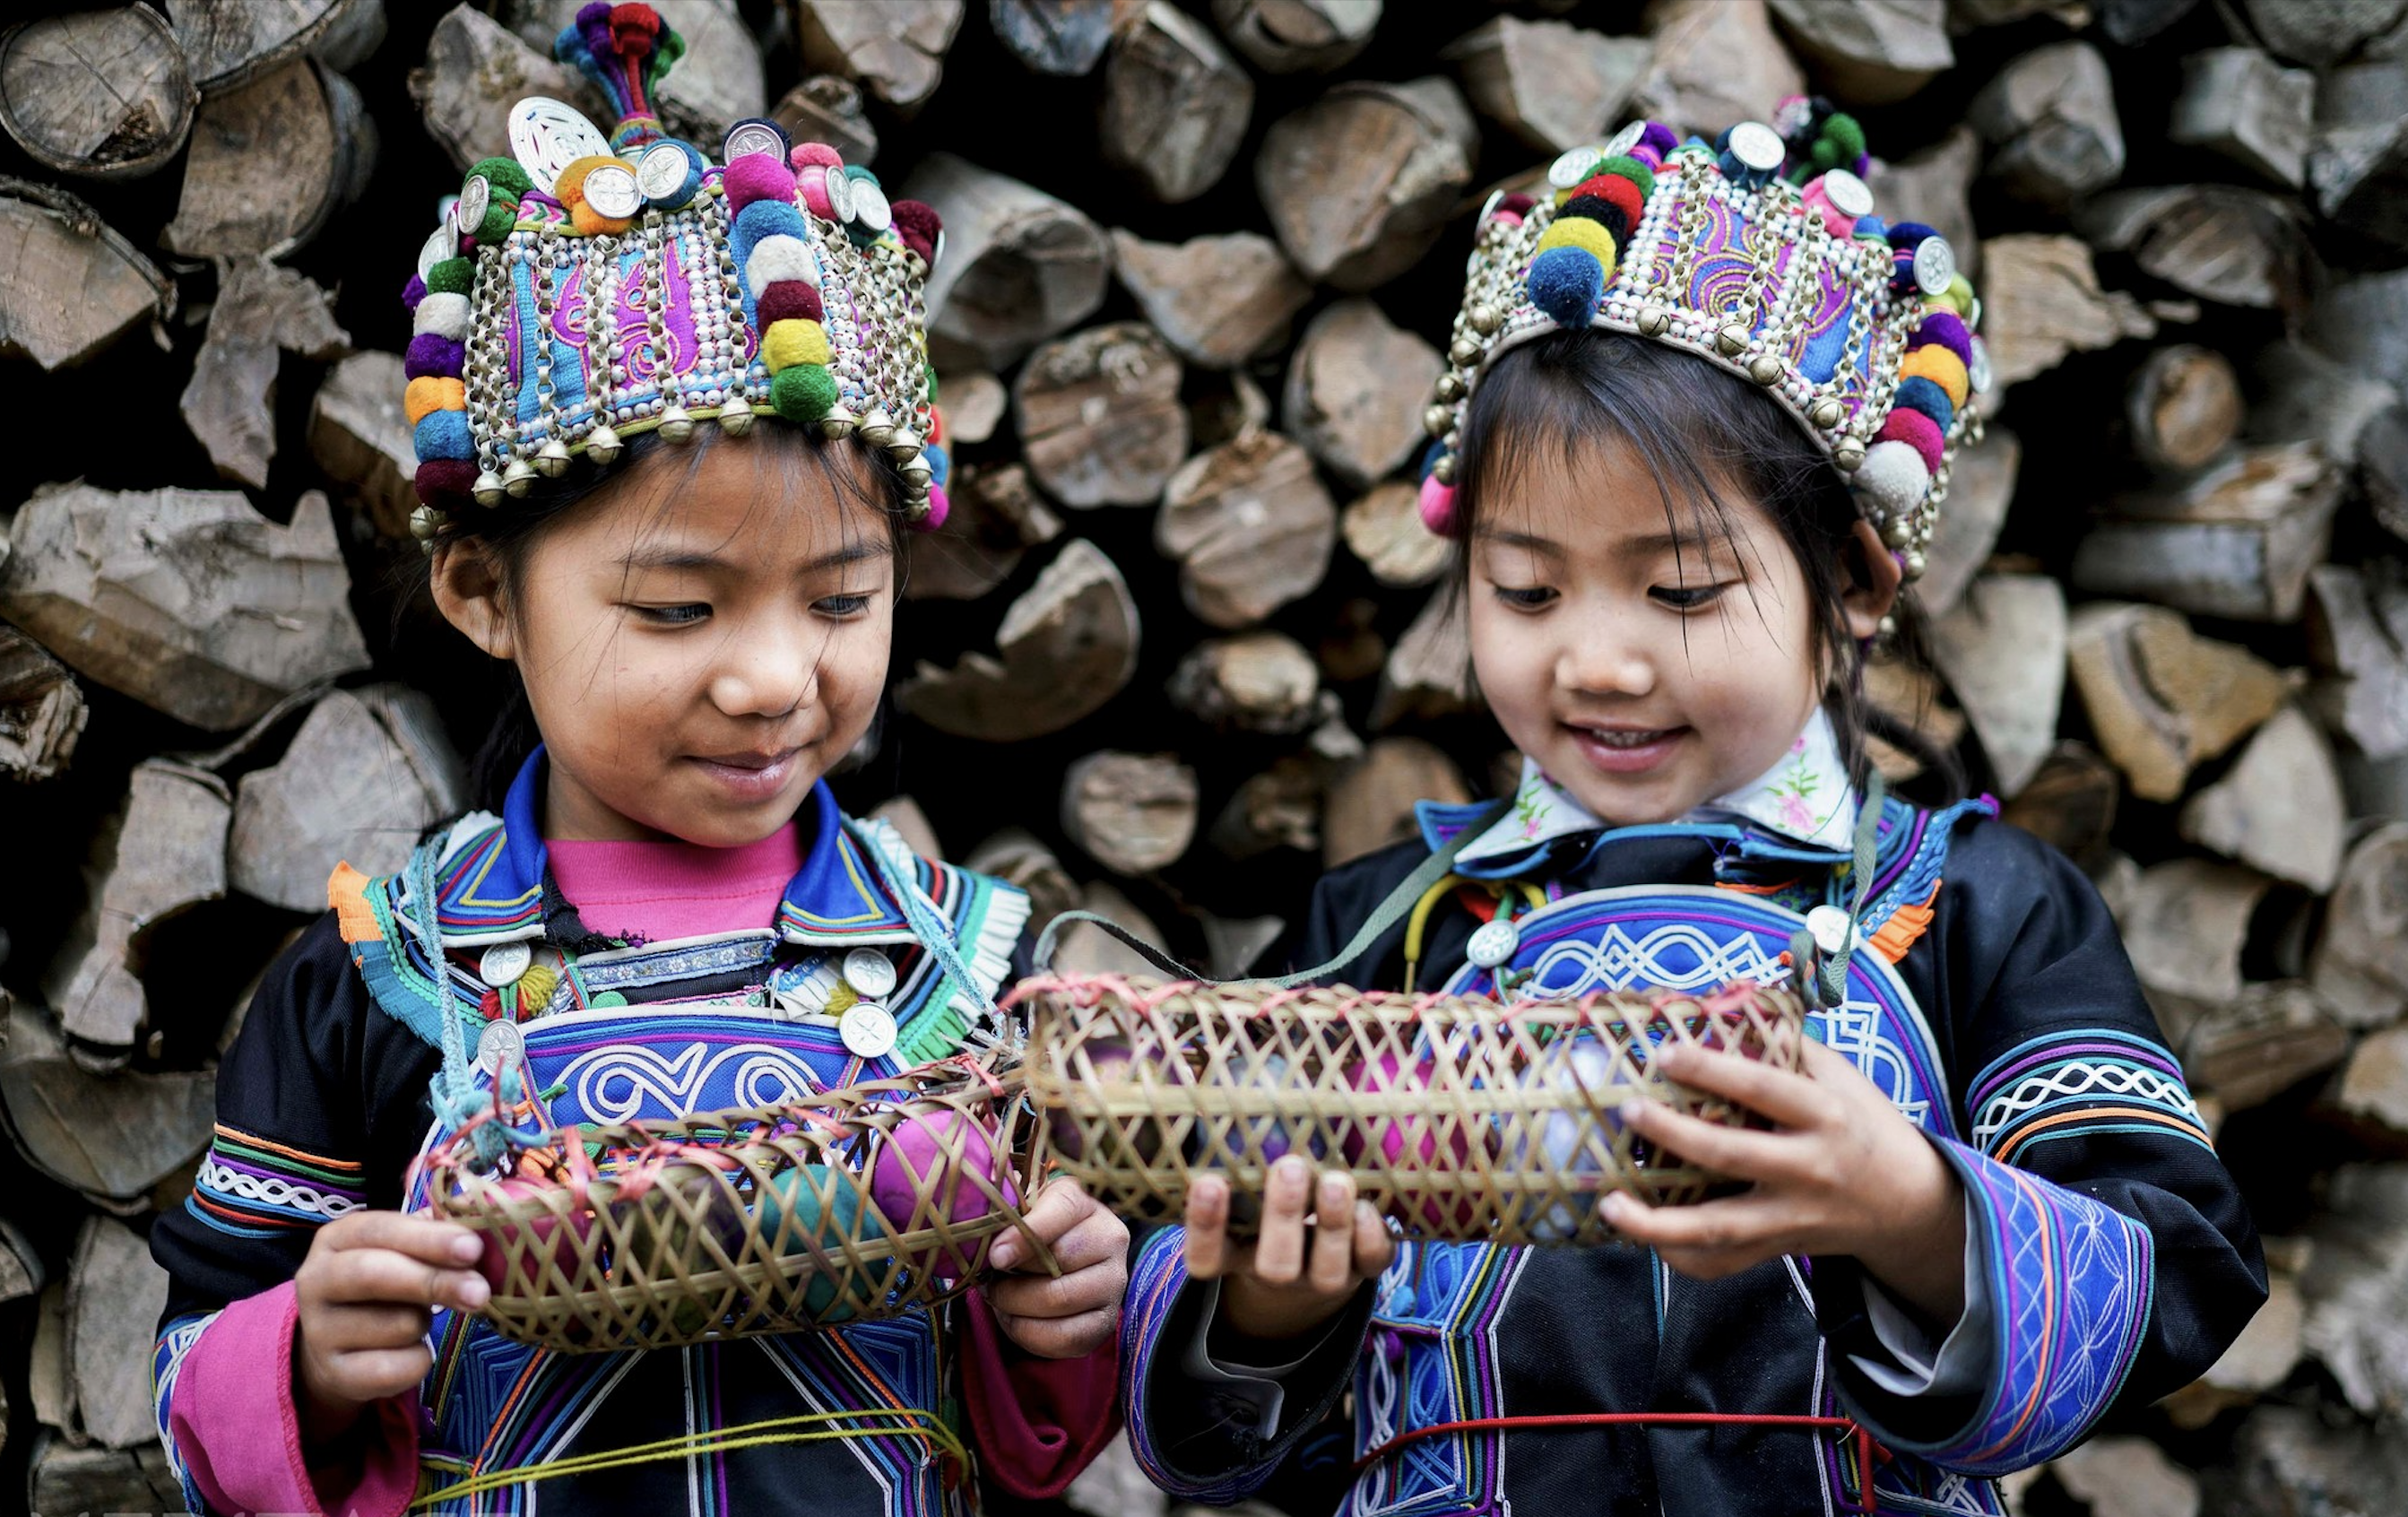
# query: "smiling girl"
[[669, 914], [1689, 483]]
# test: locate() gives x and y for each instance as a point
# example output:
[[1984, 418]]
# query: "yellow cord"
[[794, 1429], [1418, 922]]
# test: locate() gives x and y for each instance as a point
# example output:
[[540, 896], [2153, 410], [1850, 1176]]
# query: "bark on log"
[[1371, 805], [185, 600], [115, 1295], [2184, 407], [1133, 813], [1277, 808], [1289, 37], [2359, 174], [1218, 301], [64, 1478], [717, 80], [2185, 924], [1354, 387], [2128, 1475], [1085, 948], [2370, 1097], [2247, 1051], [1224, 405], [1428, 674], [2279, 808], [1258, 681], [1552, 84], [1065, 38], [107, 94], [2050, 120], [1931, 186], [2355, 1285], [2160, 697], [1719, 63], [1358, 183], [1251, 527], [2363, 323], [2318, 32], [229, 43], [1015, 856], [69, 285], [1099, 416], [476, 70], [2258, 1361], [112, 1138], [2219, 242], [2247, 108], [359, 436], [1383, 528], [1066, 647], [2357, 638], [1018, 266], [262, 312], [1980, 487], [271, 161], [828, 108], [2236, 542], [2069, 801], [42, 712], [1175, 104], [974, 403], [2381, 447], [2359, 965], [2003, 652], [2042, 301], [1870, 52], [997, 516], [1911, 693], [895, 49]]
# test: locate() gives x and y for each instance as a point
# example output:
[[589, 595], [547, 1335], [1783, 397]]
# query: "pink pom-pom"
[[757, 175], [1505, 218], [1438, 507], [816, 153], [1918, 432], [921, 1151], [811, 183], [939, 507]]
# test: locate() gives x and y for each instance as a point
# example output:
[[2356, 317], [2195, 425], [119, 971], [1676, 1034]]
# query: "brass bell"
[[517, 478], [1732, 340], [1899, 532], [1436, 418], [551, 458], [1443, 471], [1464, 352], [1849, 454], [916, 472], [1485, 319], [425, 522], [1654, 321], [602, 444], [1915, 566], [1450, 387], [839, 423], [735, 417], [1765, 369], [904, 446], [677, 424], [488, 490], [877, 428], [1828, 413]]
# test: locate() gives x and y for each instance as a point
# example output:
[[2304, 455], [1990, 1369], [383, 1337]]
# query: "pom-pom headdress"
[[585, 290], [1761, 254]]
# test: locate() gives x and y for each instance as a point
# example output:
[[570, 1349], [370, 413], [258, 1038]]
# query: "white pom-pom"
[[444, 314], [1893, 477], [781, 257]]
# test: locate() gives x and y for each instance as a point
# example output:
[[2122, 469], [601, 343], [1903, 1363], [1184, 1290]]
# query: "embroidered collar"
[[489, 884], [1806, 799]]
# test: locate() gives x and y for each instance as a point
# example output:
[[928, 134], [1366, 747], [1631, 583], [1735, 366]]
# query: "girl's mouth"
[[1624, 750], [749, 777]]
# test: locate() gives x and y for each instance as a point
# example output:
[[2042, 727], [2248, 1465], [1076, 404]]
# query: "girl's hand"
[[367, 1290], [1075, 1313], [1285, 1287], [1844, 1172]]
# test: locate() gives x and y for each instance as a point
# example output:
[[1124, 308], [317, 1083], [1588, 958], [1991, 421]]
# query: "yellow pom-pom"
[[1580, 232], [1942, 367], [840, 1000], [792, 341], [535, 988], [430, 392]]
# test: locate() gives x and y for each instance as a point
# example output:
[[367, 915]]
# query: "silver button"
[[504, 963], [1620, 144], [1848, 194], [839, 194], [610, 190], [1757, 147], [440, 244], [476, 198], [870, 973], [1493, 943], [868, 1030], [1572, 166], [1935, 264], [871, 211], [1830, 926], [500, 1043], [547, 136], [661, 170], [752, 136], [1978, 371]]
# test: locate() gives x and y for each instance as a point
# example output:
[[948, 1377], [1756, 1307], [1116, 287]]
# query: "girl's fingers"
[[1062, 1337], [356, 1275], [423, 1238], [349, 1328], [1064, 1296], [1208, 1228], [1060, 1207], [1789, 1099], [1738, 1222], [1100, 1238], [1375, 1247], [1279, 1252], [372, 1374], [1741, 1154], [1332, 1265]]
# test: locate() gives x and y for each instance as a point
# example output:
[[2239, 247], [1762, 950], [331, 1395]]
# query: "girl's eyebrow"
[[1506, 537], [672, 559]]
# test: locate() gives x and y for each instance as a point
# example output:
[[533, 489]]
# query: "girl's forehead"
[[739, 498], [1602, 495]]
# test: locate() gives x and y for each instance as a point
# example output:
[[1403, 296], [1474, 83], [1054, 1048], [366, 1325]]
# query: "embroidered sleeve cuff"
[[1261, 1387], [1909, 1365]]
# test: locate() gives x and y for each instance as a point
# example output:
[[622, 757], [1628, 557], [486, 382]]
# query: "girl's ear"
[[468, 583], [1870, 578]]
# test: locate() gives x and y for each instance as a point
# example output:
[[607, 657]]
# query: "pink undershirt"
[[659, 892]]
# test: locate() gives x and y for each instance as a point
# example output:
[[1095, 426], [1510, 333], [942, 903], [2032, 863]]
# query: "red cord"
[[1867, 1450]]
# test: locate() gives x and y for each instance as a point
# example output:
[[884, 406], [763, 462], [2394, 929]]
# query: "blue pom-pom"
[[1907, 233], [687, 188], [1921, 394], [1567, 284], [1870, 226], [1430, 455], [443, 435], [941, 468], [764, 219]]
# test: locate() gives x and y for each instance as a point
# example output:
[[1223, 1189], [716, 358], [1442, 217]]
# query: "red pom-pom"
[[1515, 205], [1918, 432], [786, 300], [443, 481], [634, 27], [918, 216], [927, 249], [816, 153], [1615, 191]]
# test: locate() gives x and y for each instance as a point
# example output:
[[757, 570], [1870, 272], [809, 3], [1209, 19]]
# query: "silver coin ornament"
[[661, 170], [547, 136], [871, 210], [1935, 266], [840, 194], [751, 136], [1848, 194], [476, 198], [1622, 141], [870, 973], [1757, 147], [1978, 372], [1573, 165], [500, 1043], [868, 1030], [440, 244], [1830, 927], [1493, 943], [611, 190], [503, 963]]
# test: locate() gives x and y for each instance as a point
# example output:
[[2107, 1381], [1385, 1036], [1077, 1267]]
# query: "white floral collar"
[[1806, 798]]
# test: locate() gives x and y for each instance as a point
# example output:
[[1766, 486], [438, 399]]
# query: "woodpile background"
[[1181, 649]]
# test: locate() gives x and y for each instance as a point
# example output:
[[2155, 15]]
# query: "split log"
[[997, 516], [2363, 323], [2243, 107], [231, 42], [64, 1478], [1428, 674], [185, 600], [1371, 805], [23, 1275], [1351, 647], [2357, 636], [2359, 965], [115, 1293], [2355, 1286], [1908, 691], [2318, 33], [2295, 1459], [476, 70], [271, 161], [160, 855], [1383, 528], [2129, 1476], [2370, 1096], [2069, 801], [2279, 808], [2162, 698], [1066, 647], [2219, 242], [1065, 38], [904, 815], [2003, 652], [2237, 541], [2359, 174], [974, 403], [1275, 807], [1085, 948], [1932, 186], [1258, 681], [1719, 63], [1981, 486], [2303, 395], [1217, 300], [262, 312], [367, 774], [1873, 53], [1224, 405], [69, 285], [1289, 37], [2042, 301], [1133, 813], [1175, 104], [1251, 527], [2258, 1361], [896, 49], [828, 108], [42, 712], [2382, 452], [1358, 183], [114, 1137], [1016, 857], [1099, 416], [360, 437], [2184, 407], [107, 94], [2050, 120], [1355, 388], [717, 79], [2247, 1051], [1552, 84], [2185, 923], [1018, 266], [1233, 945]]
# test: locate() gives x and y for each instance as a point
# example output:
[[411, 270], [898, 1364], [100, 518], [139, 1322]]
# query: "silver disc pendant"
[[547, 136], [1978, 371], [870, 973], [504, 963], [1935, 266], [1848, 194], [868, 1030], [871, 210], [1622, 141], [440, 244], [840, 195], [752, 136], [1493, 943], [660, 171], [1571, 166], [612, 191], [1757, 147], [476, 198], [500, 1043], [1830, 927]]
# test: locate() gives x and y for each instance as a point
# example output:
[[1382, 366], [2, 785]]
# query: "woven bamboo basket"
[[861, 1204], [1460, 1119]]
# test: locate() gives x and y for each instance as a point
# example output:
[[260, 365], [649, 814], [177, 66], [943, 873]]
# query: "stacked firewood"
[[1184, 642]]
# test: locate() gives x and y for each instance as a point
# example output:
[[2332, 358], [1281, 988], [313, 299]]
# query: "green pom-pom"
[[1629, 168], [1845, 135], [1826, 154], [931, 371], [804, 393], [453, 276], [501, 217], [505, 176]]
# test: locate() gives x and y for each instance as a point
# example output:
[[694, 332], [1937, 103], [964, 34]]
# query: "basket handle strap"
[[936, 935], [1401, 902], [1823, 978]]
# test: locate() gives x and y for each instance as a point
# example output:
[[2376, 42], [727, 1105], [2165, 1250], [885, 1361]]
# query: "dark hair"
[[1701, 434], [512, 531]]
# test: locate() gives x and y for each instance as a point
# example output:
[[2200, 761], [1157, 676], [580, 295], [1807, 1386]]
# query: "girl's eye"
[[1687, 597], [841, 605], [674, 616], [1525, 600]]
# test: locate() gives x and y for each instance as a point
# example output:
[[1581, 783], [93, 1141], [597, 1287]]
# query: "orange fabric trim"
[[2094, 1114], [347, 892], [1755, 889], [1905, 927], [304, 1156]]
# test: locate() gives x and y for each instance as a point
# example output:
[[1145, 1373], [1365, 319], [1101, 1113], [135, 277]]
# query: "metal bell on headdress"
[[735, 417], [839, 423], [904, 446], [551, 458], [677, 423], [877, 428], [488, 490], [518, 477], [602, 444]]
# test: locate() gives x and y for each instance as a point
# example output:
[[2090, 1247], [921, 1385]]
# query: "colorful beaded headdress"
[[1761, 254], [583, 290]]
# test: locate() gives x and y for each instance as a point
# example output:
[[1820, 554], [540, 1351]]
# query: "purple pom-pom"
[[594, 25], [1946, 328], [412, 293], [1658, 136], [1567, 284], [430, 355]]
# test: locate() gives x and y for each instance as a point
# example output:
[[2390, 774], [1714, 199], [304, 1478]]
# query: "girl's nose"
[[767, 671], [1602, 658]]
